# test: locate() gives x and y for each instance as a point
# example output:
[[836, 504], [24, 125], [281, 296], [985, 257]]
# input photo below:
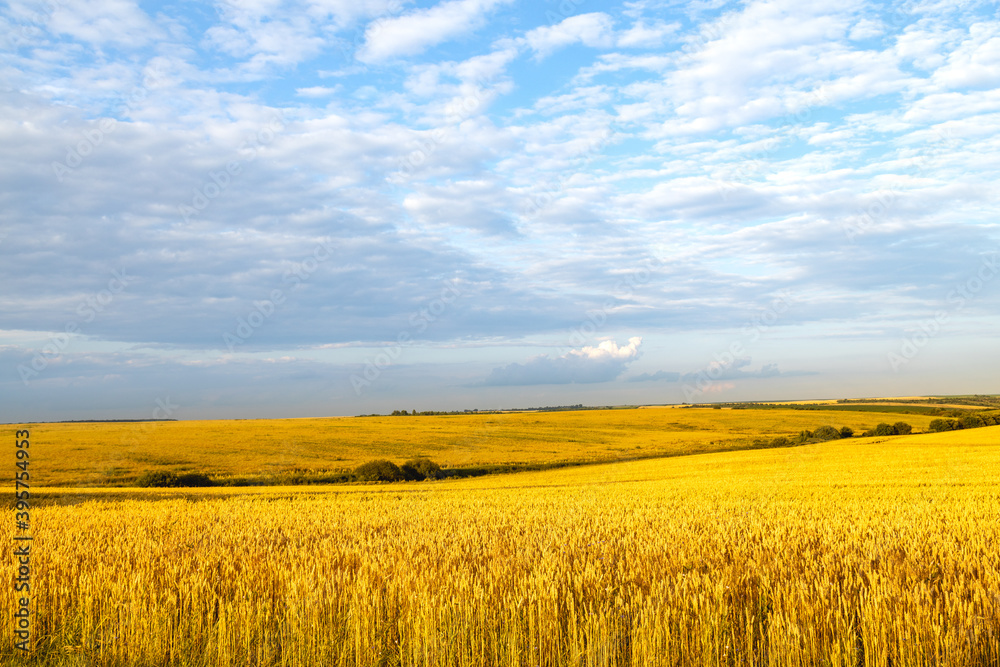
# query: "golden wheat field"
[[117, 453], [846, 553]]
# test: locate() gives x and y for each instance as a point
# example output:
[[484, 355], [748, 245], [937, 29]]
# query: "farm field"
[[867, 551], [108, 454]]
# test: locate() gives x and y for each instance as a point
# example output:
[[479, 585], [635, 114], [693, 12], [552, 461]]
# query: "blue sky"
[[320, 207]]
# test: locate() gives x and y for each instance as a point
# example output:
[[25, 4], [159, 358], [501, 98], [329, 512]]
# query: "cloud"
[[417, 31], [976, 62], [477, 205], [658, 376], [112, 22], [643, 35], [595, 30], [867, 29], [587, 365], [719, 371], [733, 370], [255, 32], [316, 91]]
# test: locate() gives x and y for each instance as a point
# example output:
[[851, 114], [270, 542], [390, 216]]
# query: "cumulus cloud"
[[643, 35], [867, 29], [412, 33], [595, 30], [602, 363], [109, 22], [976, 62]]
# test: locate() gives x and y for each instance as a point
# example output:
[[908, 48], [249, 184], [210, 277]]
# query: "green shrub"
[[826, 433], [846, 432], [410, 474], [902, 428], [939, 425], [781, 441], [194, 479], [379, 471], [884, 429], [971, 421], [422, 468], [158, 479], [164, 479]]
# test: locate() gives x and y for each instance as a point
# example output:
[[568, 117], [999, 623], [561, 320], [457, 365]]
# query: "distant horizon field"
[[117, 453]]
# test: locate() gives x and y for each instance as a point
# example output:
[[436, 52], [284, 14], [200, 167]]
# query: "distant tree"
[[846, 432], [884, 429], [411, 474], [781, 441], [422, 468], [158, 479], [826, 433], [379, 471], [902, 428], [971, 421], [194, 479], [939, 425]]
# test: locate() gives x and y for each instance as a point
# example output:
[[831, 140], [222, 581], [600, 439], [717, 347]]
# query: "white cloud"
[[976, 62], [478, 205], [417, 31], [602, 363], [316, 91], [250, 31], [866, 29], [643, 35], [117, 22], [595, 30], [463, 79]]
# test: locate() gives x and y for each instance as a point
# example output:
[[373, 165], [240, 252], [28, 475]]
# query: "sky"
[[293, 208]]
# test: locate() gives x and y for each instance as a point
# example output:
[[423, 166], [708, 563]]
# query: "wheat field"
[[107, 454], [855, 552]]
